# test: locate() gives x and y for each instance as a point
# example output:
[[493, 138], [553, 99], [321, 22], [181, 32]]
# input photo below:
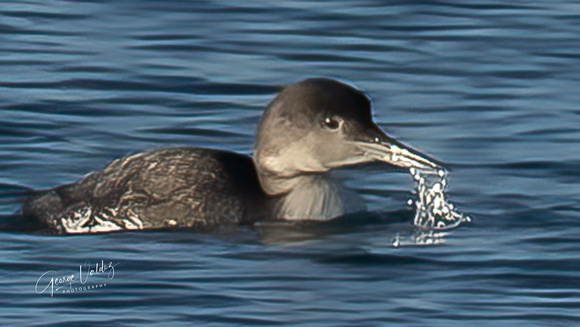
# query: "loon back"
[[178, 187]]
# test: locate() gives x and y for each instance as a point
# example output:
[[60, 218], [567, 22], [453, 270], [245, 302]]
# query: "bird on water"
[[309, 128]]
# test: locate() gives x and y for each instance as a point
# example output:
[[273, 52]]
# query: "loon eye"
[[332, 122]]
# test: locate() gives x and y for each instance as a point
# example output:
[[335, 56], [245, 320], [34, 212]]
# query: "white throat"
[[306, 197]]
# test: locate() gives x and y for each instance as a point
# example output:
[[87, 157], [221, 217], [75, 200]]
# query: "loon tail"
[[46, 207], [26, 220], [41, 206]]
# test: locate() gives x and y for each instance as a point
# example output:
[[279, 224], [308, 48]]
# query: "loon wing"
[[178, 187]]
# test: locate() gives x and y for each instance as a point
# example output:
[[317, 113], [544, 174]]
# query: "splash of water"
[[434, 214], [433, 211]]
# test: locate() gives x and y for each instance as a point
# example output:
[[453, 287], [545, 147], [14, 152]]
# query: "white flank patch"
[[78, 222]]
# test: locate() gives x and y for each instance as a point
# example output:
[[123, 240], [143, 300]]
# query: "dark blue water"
[[490, 88]]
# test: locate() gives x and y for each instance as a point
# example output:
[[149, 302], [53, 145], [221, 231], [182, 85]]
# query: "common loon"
[[309, 128]]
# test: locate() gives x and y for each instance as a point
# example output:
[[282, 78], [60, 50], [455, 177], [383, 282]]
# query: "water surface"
[[489, 88]]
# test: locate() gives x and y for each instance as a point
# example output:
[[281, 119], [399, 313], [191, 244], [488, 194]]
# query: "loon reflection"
[[309, 128]]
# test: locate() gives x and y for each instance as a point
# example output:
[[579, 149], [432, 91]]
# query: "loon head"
[[319, 124]]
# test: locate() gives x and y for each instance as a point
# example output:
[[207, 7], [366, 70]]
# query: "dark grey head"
[[319, 124]]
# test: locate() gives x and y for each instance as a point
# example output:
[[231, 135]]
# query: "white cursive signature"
[[49, 282]]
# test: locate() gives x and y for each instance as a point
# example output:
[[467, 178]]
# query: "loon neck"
[[304, 196]]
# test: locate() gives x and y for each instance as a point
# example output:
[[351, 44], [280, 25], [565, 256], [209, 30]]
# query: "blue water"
[[490, 88]]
